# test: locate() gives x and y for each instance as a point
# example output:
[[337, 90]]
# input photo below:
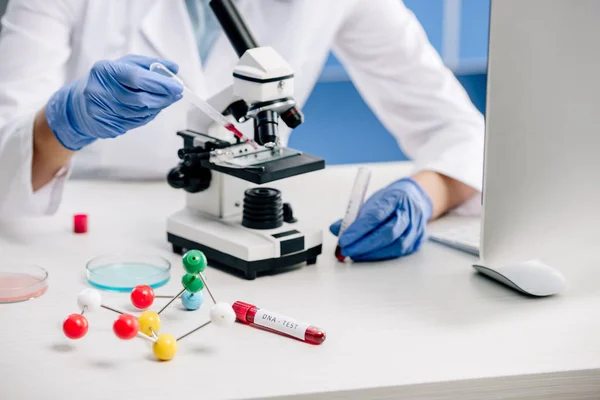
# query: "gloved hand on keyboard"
[[115, 97], [391, 224]]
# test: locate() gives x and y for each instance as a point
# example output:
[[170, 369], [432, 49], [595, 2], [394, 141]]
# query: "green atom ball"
[[192, 283], [194, 261]]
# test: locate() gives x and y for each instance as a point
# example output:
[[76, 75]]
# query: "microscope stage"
[[227, 243], [277, 169]]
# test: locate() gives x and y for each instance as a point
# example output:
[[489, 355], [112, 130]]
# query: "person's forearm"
[[445, 193], [49, 156]]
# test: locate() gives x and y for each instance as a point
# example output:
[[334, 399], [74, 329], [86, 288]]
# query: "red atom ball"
[[75, 326], [142, 296], [126, 326]]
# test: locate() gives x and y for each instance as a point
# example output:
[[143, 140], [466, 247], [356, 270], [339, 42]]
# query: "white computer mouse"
[[531, 277]]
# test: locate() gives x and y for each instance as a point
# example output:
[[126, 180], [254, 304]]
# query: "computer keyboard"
[[462, 236]]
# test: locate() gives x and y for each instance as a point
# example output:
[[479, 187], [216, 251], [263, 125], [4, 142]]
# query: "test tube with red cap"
[[277, 323], [356, 201]]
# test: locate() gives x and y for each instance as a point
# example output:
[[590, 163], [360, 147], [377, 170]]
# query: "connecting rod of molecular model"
[[194, 263]]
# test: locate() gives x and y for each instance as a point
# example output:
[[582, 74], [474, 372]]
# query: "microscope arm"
[[234, 26]]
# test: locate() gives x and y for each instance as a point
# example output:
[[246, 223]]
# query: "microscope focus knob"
[[199, 180], [192, 180], [176, 178]]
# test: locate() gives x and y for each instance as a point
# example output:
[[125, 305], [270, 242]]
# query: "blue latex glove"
[[115, 97], [391, 224]]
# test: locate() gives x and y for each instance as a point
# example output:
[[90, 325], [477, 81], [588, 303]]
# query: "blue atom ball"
[[192, 301]]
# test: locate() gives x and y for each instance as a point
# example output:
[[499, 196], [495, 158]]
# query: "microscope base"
[[227, 243]]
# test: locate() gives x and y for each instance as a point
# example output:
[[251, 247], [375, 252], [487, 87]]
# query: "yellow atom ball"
[[165, 347], [149, 322]]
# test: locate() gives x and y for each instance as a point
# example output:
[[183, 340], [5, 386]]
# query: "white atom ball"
[[90, 299], [222, 314]]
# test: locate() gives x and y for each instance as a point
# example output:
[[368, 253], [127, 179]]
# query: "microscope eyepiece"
[[292, 117]]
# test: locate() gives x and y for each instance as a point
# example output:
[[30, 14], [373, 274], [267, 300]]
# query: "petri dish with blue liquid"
[[123, 272]]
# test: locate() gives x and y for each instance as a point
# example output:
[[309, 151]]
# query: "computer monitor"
[[541, 197]]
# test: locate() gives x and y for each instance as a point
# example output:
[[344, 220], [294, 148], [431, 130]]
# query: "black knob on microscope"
[[194, 159], [181, 153], [176, 178], [288, 213], [199, 180]]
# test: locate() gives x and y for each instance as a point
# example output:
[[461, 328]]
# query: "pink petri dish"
[[22, 282]]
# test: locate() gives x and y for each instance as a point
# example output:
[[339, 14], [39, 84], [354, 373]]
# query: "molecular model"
[[147, 325]]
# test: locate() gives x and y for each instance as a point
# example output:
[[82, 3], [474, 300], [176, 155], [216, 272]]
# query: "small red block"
[[80, 223]]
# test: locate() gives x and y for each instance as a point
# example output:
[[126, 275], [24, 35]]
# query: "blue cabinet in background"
[[475, 20], [339, 125]]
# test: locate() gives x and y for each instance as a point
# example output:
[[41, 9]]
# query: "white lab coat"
[[45, 44]]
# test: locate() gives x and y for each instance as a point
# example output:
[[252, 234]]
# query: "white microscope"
[[237, 226]]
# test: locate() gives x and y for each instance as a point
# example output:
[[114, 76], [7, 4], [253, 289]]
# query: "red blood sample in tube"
[[231, 128], [338, 254], [80, 223], [234, 130], [280, 324]]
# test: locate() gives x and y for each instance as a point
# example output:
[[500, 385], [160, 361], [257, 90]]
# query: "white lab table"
[[420, 327]]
